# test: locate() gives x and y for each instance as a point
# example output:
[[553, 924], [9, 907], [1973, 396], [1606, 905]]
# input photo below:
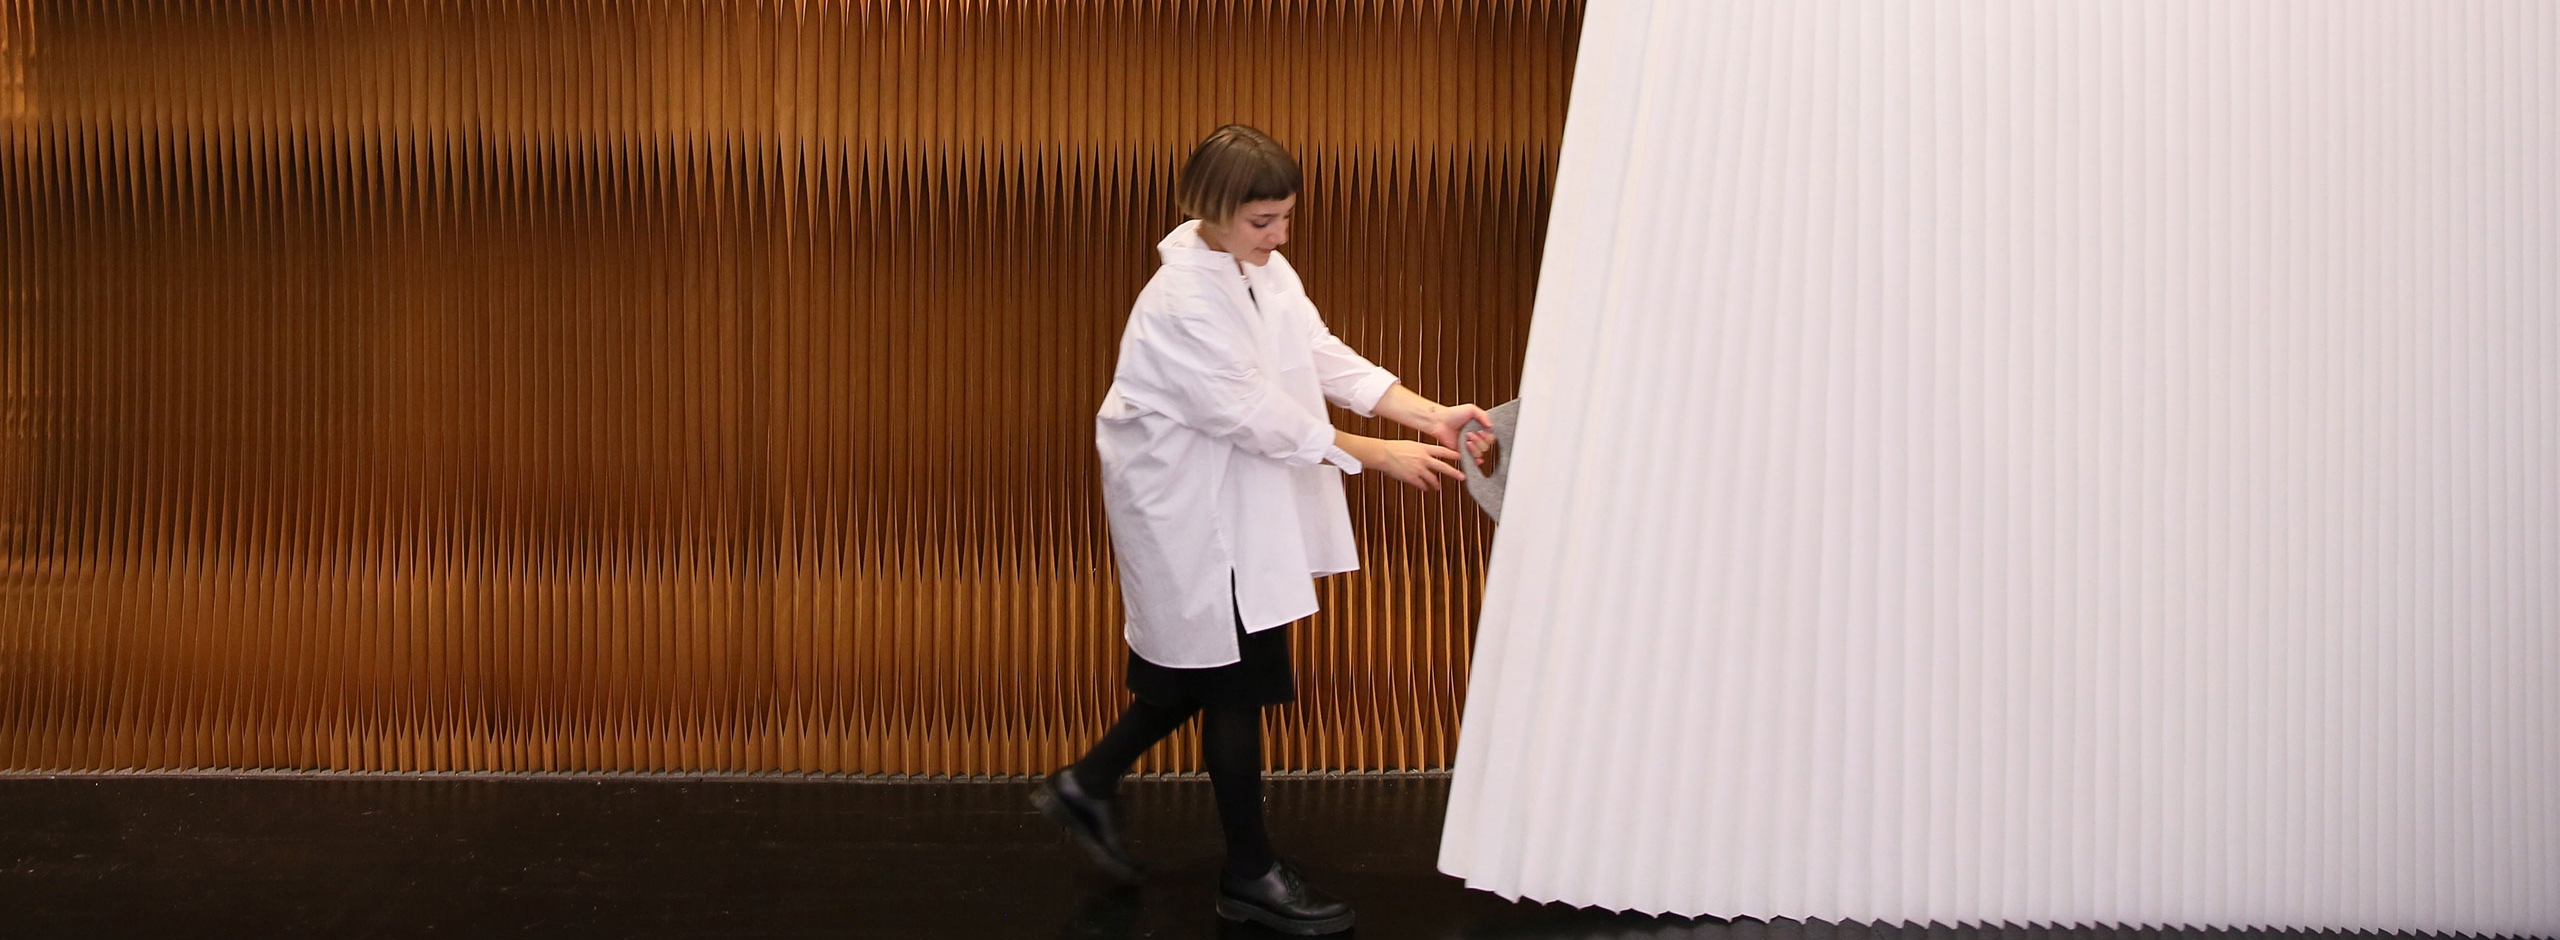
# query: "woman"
[[1222, 481]]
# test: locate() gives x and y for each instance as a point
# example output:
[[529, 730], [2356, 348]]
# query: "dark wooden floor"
[[96, 857]]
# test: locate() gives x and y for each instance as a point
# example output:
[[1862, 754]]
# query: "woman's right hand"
[[1415, 463]]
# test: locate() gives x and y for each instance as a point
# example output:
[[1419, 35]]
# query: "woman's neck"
[[1206, 239]]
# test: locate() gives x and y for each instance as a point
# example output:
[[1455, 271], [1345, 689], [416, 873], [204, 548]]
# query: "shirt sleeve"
[[1349, 379], [1201, 373]]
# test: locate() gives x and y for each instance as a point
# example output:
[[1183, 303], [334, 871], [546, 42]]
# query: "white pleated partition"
[[2030, 462]]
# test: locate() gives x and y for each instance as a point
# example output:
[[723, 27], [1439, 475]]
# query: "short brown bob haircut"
[[1234, 166]]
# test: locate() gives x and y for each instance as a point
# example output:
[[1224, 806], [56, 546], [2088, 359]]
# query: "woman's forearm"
[[1362, 449], [1407, 407]]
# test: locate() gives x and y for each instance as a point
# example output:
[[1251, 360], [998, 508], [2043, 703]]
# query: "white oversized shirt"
[[1217, 454]]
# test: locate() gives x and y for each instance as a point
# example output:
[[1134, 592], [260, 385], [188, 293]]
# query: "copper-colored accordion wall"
[[699, 386]]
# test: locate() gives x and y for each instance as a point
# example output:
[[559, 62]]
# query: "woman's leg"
[[1081, 795], [1231, 746], [1141, 725], [1256, 885]]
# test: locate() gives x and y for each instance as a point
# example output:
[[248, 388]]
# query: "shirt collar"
[[1183, 247]]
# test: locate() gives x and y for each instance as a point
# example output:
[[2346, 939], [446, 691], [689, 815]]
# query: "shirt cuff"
[[1320, 447]]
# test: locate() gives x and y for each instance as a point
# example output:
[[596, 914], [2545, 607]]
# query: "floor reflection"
[[641, 858]]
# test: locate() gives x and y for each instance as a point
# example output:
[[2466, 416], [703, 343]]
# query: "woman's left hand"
[[1449, 427]]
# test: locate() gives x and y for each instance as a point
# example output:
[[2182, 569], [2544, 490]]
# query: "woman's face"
[[1254, 232]]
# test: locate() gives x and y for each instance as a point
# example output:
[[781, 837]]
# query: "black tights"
[[1230, 743]]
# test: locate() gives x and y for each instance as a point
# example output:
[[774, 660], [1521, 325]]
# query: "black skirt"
[[1262, 677]]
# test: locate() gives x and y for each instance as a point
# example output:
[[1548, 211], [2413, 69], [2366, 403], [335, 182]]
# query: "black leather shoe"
[[1092, 821], [1282, 901]]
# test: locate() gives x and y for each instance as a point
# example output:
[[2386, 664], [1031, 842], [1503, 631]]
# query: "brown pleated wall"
[[412, 385]]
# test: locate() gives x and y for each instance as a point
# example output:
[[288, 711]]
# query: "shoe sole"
[[1240, 912], [1056, 811]]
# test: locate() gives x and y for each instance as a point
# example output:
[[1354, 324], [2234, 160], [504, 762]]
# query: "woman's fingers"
[[1428, 477], [1440, 461], [1422, 465], [1453, 420]]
